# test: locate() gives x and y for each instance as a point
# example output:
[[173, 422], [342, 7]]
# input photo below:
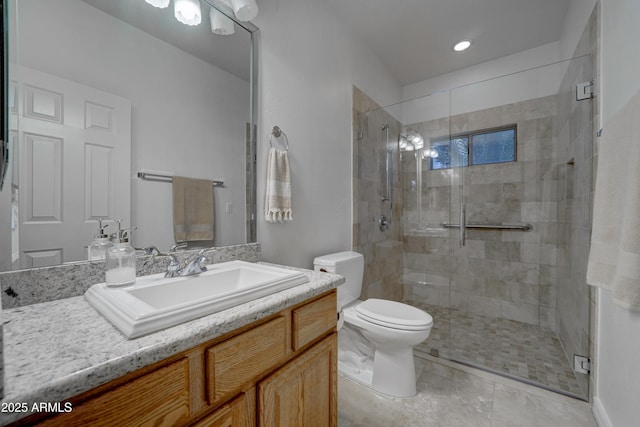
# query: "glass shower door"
[[518, 297]]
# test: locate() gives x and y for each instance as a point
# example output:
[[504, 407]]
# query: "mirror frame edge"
[[4, 85]]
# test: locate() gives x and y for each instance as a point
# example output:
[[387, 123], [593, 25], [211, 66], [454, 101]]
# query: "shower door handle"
[[463, 225]]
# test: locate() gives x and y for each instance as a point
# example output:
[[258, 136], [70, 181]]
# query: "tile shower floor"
[[503, 346], [453, 395]]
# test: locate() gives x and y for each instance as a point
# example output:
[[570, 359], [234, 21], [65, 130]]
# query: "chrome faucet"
[[193, 267]]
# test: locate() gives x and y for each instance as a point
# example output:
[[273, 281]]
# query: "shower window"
[[451, 152], [475, 148], [498, 146]]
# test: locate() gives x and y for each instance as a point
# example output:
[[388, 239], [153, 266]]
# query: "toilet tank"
[[348, 264]]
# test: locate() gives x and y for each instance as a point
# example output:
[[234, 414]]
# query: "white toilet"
[[376, 337]]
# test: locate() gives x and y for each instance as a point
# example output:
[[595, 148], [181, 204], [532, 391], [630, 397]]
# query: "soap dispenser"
[[98, 248], [120, 266]]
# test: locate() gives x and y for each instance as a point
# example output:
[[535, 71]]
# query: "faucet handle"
[[151, 250], [196, 265], [178, 245], [201, 256], [173, 269]]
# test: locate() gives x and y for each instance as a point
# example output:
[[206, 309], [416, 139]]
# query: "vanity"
[[267, 362]]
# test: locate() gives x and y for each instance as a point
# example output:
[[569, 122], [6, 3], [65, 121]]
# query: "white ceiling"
[[414, 38]]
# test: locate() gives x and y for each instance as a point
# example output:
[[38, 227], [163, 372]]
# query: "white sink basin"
[[155, 302]]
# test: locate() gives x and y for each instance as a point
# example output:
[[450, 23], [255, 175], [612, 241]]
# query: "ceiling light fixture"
[[220, 23], [187, 11], [429, 153], [415, 138], [462, 45], [158, 3], [245, 10]]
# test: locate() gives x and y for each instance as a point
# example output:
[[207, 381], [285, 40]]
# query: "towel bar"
[[148, 176], [522, 227]]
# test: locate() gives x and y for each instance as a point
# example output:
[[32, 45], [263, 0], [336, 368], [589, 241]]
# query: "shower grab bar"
[[463, 227], [388, 197], [521, 227], [389, 171]]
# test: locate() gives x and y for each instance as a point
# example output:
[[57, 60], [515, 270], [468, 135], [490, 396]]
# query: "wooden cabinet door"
[[238, 413], [304, 391]]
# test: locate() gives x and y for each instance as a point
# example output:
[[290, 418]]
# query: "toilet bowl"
[[376, 340]]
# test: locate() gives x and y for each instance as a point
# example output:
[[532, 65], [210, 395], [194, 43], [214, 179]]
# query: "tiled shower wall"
[[508, 274], [382, 250]]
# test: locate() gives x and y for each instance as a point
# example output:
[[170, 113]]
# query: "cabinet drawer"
[[240, 361], [313, 320], [137, 402]]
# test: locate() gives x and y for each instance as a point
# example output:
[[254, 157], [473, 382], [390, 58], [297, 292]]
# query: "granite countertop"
[[56, 350]]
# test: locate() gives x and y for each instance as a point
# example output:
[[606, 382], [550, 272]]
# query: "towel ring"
[[277, 132]]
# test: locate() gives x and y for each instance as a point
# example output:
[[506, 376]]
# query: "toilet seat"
[[393, 314]]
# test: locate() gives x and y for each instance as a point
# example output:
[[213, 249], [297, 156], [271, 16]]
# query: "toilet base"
[[394, 372], [399, 385], [386, 370]]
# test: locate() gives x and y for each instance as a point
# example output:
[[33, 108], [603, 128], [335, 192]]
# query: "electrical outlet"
[[228, 207]]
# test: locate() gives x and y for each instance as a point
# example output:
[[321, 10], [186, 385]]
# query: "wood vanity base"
[[280, 371]]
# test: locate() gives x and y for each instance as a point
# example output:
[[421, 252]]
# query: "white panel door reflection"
[[75, 152]]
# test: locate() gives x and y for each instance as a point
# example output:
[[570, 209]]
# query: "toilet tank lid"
[[340, 258]]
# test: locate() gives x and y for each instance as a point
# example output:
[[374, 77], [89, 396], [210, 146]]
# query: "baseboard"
[[600, 414]]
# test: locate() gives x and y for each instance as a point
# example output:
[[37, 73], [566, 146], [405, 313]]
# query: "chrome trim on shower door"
[[463, 225]]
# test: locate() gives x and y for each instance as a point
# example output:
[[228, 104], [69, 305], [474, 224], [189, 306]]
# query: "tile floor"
[[454, 395], [513, 348]]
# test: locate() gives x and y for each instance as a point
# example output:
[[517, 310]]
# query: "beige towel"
[[277, 203], [614, 260], [192, 209]]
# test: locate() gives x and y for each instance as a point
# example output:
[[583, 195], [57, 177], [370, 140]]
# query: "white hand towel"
[[277, 201]]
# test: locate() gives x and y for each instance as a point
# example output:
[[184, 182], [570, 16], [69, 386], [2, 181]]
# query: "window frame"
[[469, 135]]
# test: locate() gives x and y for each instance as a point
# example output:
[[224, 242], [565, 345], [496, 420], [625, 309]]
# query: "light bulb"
[[158, 3], [187, 11], [245, 10], [220, 23], [415, 138], [402, 143]]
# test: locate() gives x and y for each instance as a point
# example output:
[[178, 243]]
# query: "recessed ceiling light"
[[462, 45]]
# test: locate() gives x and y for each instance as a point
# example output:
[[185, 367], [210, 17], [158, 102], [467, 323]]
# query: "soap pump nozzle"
[[101, 226], [122, 235], [97, 250]]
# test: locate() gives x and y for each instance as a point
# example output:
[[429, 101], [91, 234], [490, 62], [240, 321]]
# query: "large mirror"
[[103, 92]]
